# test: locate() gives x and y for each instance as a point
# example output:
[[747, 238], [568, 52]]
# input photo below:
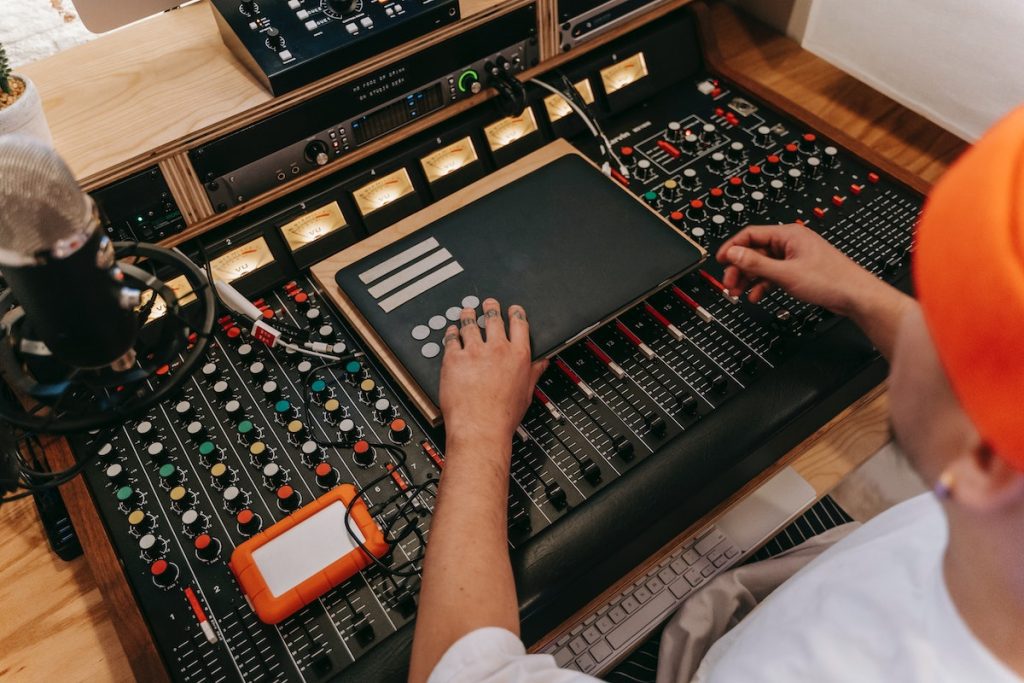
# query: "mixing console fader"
[[634, 432]]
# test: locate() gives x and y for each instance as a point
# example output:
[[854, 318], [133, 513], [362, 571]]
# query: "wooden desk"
[[55, 625]]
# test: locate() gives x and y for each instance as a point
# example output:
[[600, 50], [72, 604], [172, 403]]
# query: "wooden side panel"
[[186, 189]]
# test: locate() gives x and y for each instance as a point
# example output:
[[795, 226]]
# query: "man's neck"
[[985, 577]]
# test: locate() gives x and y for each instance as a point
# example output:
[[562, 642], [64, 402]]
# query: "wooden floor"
[[54, 624]]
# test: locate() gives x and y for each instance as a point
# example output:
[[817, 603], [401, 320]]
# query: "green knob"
[[318, 386], [650, 197], [167, 471], [125, 493], [206, 448], [282, 407], [245, 426], [353, 367]]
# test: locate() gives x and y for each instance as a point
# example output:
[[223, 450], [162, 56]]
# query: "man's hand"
[[802, 263], [796, 259], [486, 385]]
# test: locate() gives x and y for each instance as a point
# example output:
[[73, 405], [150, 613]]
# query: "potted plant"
[[21, 108]]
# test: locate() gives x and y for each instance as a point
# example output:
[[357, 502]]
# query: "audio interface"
[[582, 20], [289, 43]]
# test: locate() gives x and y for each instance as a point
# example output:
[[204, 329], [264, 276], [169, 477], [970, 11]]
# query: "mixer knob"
[[808, 143], [287, 498], [674, 133], [696, 212], [333, 410], [354, 371], [246, 431], [813, 167], [344, 8], [195, 430], [716, 199], [772, 166], [249, 522], [757, 201], [182, 498], [304, 367], [156, 451], [676, 217], [590, 471], [691, 143], [210, 371], [140, 523], [318, 390], [383, 410], [754, 177], [312, 315], [235, 498], [193, 522], [106, 451], [274, 474], [311, 452], [169, 475], [207, 548], [368, 391], [164, 573], [208, 452], [671, 191], [302, 301], [699, 235], [284, 411], [763, 136], [831, 156], [628, 156], [734, 188], [399, 431], [183, 409], [363, 453], [259, 453], [689, 179], [116, 474], [643, 171], [737, 152], [326, 476], [296, 430], [245, 350], [623, 447], [274, 40], [316, 152], [270, 388], [717, 163], [144, 427], [776, 189], [708, 134], [795, 178], [688, 405], [790, 156], [221, 389], [152, 546], [326, 332], [652, 199], [258, 369], [718, 226], [222, 475], [233, 408], [349, 432], [737, 212]]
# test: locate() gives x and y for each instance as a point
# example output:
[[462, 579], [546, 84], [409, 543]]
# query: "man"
[[931, 590]]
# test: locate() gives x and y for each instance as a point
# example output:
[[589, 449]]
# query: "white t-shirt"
[[874, 607]]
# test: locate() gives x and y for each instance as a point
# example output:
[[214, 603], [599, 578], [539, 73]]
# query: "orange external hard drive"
[[294, 562]]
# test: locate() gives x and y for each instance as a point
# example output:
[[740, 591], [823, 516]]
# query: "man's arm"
[[467, 577], [802, 263]]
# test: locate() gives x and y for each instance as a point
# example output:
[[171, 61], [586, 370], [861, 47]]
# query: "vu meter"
[[181, 289], [312, 226], [628, 71], [241, 261], [459, 154], [506, 131], [558, 107], [382, 191]]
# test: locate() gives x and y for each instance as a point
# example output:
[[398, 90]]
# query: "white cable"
[[299, 349]]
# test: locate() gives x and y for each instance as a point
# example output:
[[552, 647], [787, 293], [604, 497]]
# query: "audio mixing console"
[[634, 432]]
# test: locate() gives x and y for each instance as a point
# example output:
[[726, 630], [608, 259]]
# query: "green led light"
[[468, 72]]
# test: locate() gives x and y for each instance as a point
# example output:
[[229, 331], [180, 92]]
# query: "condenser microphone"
[[59, 264]]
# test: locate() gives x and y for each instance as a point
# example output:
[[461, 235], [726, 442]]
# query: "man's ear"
[[985, 482]]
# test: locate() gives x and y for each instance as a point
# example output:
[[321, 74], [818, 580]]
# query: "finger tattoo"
[[519, 315], [449, 338], [466, 322], [491, 313]]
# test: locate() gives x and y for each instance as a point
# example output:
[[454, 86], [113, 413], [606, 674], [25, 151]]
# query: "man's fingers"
[[753, 263], [753, 236], [518, 327], [536, 370], [758, 291], [452, 340], [493, 323], [469, 329]]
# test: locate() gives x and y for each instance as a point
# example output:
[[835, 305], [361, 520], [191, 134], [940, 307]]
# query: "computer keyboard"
[[597, 642]]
